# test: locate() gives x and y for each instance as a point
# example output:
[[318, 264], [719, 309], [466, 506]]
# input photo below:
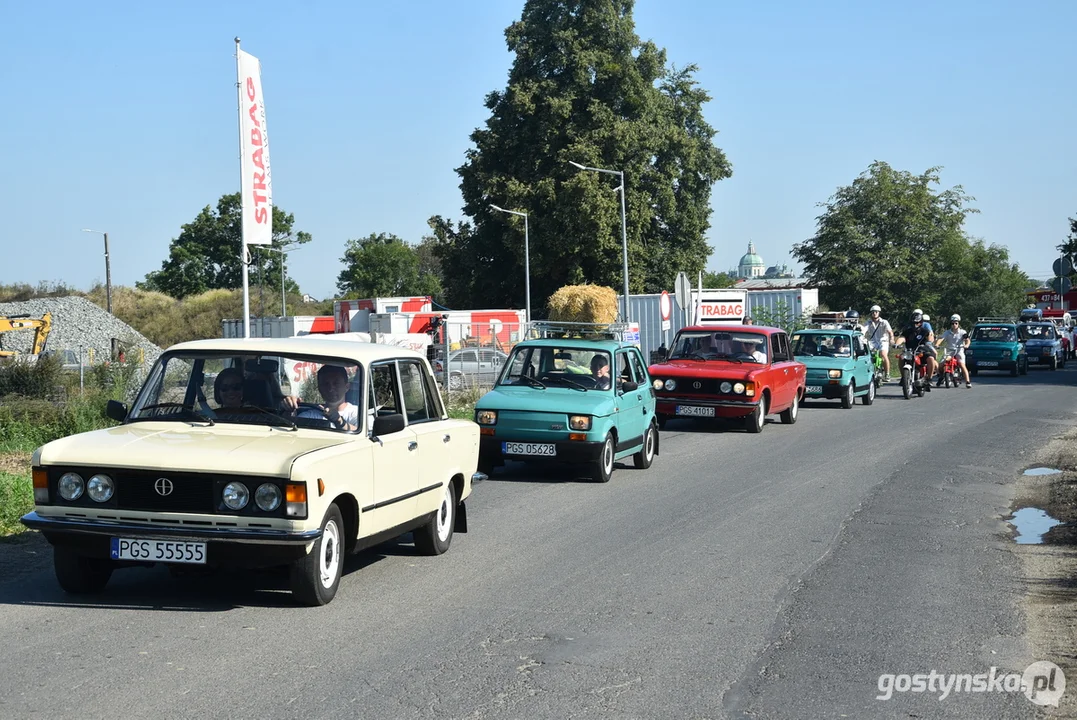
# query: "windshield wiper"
[[532, 381], [284, 421], [571, 383], [185, 409], [691, 356], [730, 358]]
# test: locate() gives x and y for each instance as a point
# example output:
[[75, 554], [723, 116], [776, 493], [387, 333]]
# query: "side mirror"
[[116, 410], [388, 424], [629, 386]]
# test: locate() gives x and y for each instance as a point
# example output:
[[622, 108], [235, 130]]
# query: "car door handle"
[[446, 439], [412, 445]]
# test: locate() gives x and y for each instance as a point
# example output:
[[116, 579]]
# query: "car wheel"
[[1024, 367], [869, 397], [1015, 369], [434, 537], [316, 577], [78, 574], [754, 423], [789, 416], [848, 395], [1054, 363], [645, 456], [602, 470]]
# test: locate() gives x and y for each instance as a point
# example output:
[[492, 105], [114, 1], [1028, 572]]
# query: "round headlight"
[[671, 385], [267, 497], [71, 486], [235, 496], [658, 384], [726, 387], [739, 388], [100, 488]]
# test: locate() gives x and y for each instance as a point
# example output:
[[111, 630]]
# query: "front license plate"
[[987, 363], [517, 448], [814, 389], [172, 551], [694, 411]]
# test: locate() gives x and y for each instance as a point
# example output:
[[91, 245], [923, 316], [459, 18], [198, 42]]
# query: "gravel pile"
[[76, 323]]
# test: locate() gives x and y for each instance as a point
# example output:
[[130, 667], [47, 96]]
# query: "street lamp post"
[[624, 227], [108, 270], [527, 262]]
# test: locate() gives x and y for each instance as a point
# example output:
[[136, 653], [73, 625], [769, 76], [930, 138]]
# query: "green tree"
[[880, 240], [977, 280], [583, 88], [383, 265], [206, 255], [715, 280]]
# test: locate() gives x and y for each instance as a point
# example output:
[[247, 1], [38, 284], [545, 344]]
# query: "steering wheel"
[[747, 356], [318, 408]]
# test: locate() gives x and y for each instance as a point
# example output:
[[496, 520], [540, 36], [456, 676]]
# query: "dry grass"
[[584, 304]]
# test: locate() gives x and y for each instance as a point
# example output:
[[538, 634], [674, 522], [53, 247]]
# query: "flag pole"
[[243, 237]]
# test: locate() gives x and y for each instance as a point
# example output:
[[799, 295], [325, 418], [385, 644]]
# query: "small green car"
[[995, 345], [570, 400], [839, 365]]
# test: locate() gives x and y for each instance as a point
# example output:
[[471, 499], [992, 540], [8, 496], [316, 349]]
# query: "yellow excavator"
[[41, 327]]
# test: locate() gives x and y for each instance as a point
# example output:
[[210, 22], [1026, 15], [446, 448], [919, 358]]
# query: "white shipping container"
[[278, 327], [353, 315], [793, 301]]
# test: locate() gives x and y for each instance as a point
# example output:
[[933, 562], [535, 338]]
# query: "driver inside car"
[[752, 349], [600, 368], [333, 386]]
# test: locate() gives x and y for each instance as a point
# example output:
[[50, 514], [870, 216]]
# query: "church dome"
[[751, 259]]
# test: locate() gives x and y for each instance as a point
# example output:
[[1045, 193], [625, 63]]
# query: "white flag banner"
[[257, 185]]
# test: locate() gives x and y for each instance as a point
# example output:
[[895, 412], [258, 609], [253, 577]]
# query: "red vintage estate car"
[[729, 371]]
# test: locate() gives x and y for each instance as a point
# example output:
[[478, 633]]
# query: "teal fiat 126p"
[[838, 360], [576, 394]]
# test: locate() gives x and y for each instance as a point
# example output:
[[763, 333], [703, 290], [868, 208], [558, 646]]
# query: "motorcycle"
[[914, 377], [949, 369]]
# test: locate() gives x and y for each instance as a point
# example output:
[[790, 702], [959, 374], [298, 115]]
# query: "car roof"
[[303, 345], [732, 327]]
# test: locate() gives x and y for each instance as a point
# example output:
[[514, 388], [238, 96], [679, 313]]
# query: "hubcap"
[[444, 516], [796, 406], [650, 443], [607, 457], [330, 555]]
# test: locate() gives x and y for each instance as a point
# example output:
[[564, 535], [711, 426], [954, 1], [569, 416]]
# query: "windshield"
[[826, 344], [1036, 332], [708, 345], [248, 389], [994, 333], [571, 366]]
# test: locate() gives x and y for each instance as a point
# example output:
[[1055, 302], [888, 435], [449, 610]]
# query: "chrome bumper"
[[113, 528]]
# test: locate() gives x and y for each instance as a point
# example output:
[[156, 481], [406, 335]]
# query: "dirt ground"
[[1050, 569], [15, 463]]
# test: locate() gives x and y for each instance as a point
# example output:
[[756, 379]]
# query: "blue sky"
[[121, 116]]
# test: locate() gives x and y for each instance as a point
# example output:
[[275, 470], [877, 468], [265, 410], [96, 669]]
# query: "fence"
[[468, 356]]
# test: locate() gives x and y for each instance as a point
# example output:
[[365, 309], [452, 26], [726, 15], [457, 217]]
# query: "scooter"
[[877, 363], [914, 377]]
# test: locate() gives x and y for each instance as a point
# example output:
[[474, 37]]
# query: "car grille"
[[707, 386]]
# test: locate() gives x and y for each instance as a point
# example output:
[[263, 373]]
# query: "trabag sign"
[[720, 306], [257, 184]]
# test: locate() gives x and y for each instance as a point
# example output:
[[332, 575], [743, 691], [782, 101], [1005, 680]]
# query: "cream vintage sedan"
[[255, 453]]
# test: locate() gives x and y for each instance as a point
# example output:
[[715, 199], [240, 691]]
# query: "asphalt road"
[[774, 575]]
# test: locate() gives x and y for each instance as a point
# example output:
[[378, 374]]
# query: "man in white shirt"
[[333, 387], [956, 340], [879, 335], [752, 349]]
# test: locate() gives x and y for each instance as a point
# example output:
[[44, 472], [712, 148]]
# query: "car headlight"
[[71, 486], [100, 488], [579, 422], [834, 373], [659, 384], [671, 384], [486, 417], [235, 496], [738, 388], [267, 497], [726, 387]]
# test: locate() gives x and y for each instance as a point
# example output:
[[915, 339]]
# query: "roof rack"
[[993, 319], [832, 321], [585, 331]]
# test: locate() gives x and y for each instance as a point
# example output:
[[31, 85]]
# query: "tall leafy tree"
[[583, 87], [383, 265], [206, 255], [714, 280], [880, 240]]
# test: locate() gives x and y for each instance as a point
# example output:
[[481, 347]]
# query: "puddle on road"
[[1042, 471], [1031, 524]]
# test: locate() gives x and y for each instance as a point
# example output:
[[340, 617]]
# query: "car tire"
[[435, 536], [869, 397], [1016, 369], [316, 576], [789, 415], [1054, 363], [78, 574], [602, 469], [848, 395], [456, 381], [1024, 367], [755, 422], [645, 456]]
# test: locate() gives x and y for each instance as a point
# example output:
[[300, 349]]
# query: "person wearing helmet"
[[956, 340], [927, 323], [879, 335], [915, 336]]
